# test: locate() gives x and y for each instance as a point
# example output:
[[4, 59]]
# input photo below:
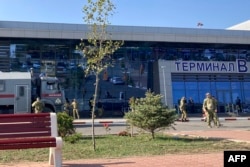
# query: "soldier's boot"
[[218, 124], [209, 126]]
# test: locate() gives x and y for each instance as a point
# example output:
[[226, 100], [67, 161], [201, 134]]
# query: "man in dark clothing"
[[238, 104], [191, 105]]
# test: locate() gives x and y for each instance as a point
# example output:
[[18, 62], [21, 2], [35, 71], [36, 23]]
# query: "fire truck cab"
[[19, 89]]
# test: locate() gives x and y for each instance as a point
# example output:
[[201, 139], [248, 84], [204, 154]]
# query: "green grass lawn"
[[111, 146]]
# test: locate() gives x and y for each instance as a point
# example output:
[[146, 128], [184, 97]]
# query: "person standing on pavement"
[[238, 104], [183, 109], [191, 105], [38, 105], [75, 109], [210, 108], [216, 118], [66, 106]]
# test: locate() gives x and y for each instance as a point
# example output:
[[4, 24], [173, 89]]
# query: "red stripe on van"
[[52, 95], [7, 95]]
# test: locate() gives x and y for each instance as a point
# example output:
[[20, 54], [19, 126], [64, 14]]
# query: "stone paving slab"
[[180, 160]]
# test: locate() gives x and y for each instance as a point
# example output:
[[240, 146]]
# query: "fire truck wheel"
[[48, 109]]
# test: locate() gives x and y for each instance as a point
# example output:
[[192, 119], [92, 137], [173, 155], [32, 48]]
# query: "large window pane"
[[202, 95], [204, 86], [246, 85], [247, 97], [191, 85], [178, 85], [223, 85], [235, 94], [177, 94], [235, 85], [194, 94], [213, 85]]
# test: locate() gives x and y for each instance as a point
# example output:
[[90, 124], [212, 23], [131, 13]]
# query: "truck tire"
[[48, 109]]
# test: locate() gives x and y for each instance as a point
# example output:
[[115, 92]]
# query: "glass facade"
[[59, 58], [225, 88]]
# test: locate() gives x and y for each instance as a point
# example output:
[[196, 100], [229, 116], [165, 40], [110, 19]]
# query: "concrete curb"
[[99, 121], [221, 119], [123, 121]]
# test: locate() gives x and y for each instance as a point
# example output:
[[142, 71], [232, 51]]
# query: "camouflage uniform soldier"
[[38, 105], [216, 118], [75, 109], [183, 109], [210, 108]]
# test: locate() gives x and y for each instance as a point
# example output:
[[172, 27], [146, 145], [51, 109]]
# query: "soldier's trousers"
[[212, 116], [183, 115], [75, 113]]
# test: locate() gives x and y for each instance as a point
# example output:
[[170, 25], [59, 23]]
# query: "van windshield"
[[53, 86]]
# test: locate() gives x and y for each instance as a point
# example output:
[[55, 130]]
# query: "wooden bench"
[[25, 131]]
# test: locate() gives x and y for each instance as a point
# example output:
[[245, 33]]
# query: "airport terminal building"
[[174, 62]]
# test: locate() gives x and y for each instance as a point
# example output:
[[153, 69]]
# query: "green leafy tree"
[[99, 48], [150, 114]]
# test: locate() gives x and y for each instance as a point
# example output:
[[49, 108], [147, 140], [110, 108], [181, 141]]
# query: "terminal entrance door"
[[224, 98]]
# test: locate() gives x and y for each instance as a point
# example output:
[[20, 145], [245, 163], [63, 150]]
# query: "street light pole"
[[164, 84]]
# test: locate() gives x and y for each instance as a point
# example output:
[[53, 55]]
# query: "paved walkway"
[[178, 160]]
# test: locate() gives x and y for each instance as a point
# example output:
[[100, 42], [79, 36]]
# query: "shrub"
[[149, 113], [74, 138], [65, 124]]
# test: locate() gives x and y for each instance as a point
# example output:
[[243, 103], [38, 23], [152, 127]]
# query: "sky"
[[213, 14]]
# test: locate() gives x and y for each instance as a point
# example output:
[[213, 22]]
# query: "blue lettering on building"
[[177, 65], [208, 66], [242, 65], [187, 66], [200, 67], [192, 66], [223, 67], [231, 66], [215, 67]]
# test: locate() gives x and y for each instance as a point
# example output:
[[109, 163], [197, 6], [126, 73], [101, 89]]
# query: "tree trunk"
[[93, 110], [153, 134]]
